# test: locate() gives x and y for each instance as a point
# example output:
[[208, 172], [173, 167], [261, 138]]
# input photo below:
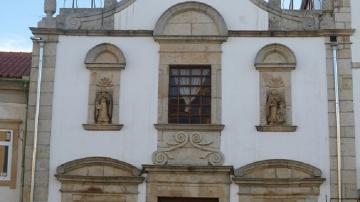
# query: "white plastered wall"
[[238, 14], [355, 39], [17, 112], [241, 143]]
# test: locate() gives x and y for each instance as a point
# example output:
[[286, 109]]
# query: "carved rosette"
[[183, 142]]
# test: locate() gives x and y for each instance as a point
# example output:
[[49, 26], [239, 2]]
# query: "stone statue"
[[275, 109], [103, 108]]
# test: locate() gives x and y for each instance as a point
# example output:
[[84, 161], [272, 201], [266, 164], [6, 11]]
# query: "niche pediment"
[[98, 169], [275, 57], [278, 170]]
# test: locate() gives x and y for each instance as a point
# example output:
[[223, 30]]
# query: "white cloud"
[[16, 44]]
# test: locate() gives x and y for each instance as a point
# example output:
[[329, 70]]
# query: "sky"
[[16, 16]]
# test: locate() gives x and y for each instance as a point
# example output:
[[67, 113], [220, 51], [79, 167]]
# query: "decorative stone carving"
[[105, 62], [275, 103], [104, 103], [278, 179], [98, 179], [188, 147], [195, 140], [274, 63]]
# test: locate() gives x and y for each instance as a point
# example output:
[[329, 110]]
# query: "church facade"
[[236, 100]]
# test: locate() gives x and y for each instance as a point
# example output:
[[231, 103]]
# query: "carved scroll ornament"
[[214, 157]]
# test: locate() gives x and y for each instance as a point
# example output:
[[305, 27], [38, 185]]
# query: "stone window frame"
[[282, 65], [14, 126], [200, 46], [97, 68], [207, 44]]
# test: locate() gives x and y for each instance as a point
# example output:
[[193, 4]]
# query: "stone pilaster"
[[45, 116], [342, 14], [347, 122]]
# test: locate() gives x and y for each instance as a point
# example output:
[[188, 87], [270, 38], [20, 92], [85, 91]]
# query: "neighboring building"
[[209, 100], [14, 79]]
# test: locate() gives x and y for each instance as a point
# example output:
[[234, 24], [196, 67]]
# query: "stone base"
[[97, 127], [276, 128]]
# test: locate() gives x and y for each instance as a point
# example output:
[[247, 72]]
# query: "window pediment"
[[191, 19]]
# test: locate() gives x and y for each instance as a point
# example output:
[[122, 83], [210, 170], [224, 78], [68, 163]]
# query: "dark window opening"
[[190, 94]]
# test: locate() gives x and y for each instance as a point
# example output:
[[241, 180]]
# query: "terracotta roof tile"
[[15, 64]]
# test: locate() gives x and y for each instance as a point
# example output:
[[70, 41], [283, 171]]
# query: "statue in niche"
[[104, 102], [275, 108]]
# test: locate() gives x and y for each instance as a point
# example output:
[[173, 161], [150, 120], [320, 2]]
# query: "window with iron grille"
[[6, 137], [190, 94]]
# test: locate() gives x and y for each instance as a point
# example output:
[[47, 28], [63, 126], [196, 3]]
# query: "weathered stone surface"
[[98, 179], [278, 180], [188, 181], [188, 148]]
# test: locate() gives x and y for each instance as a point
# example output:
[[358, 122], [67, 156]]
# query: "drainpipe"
[[36, 125], [334, 46]]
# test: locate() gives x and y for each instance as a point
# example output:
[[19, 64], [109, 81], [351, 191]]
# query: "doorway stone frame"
[[188, 181]]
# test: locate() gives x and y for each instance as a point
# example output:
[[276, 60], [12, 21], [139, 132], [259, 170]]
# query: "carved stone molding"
[[98, 179], [190, 127], [187, 147], [97, 127], [276, 128], [278, 179]]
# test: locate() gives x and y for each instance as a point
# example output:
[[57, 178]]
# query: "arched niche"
[[98, 179], [105, 56], [105, 61], [278, 179], [191, 19], [275, 63], [276, 57]]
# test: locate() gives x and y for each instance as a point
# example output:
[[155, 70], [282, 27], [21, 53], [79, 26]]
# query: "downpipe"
[[334, 46], [36, 125]]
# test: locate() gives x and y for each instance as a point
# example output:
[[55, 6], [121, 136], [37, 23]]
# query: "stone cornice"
[[185, 168], [288, 182], [232, 33], [356, 65], [100, 179]]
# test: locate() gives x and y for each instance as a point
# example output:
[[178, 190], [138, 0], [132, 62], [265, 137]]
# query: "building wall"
[[355, 39], [13, 111], [241, 15], [240, 142]]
